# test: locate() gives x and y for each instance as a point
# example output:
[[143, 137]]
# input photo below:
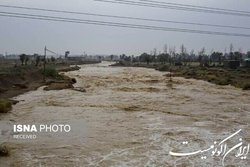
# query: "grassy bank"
[[218, 75], [221, 76], [15, 80]]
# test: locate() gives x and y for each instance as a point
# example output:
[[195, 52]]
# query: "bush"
[[164, 68], [211, 78], [52, 72], [246, 86], [5, 106], [4, 151], [223, 81]]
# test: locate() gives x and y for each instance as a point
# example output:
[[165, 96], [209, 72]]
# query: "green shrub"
[[211, 78], [164, 68], [223, 81], [52, 72], [5, 106]]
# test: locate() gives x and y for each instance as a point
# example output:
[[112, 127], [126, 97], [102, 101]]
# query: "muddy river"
[[130, 117]]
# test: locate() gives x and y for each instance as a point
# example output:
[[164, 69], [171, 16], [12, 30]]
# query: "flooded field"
[[128, 117]]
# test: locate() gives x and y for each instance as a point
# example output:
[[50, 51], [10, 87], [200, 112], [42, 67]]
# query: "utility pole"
[[170, 75], [44, 64]]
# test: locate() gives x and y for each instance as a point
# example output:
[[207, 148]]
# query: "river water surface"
[[128, 117]]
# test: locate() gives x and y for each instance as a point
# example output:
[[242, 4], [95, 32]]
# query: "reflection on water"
[[127, 117]]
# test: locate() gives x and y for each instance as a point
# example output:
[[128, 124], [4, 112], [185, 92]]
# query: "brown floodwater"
[[128, 117]]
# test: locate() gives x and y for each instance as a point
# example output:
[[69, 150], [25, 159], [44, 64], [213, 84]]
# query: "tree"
[[154, 51], [144, 57], [231, 48], [154, 54], [37, 60], [172, 53], [100, 58], [163, 57], [238, 56], [22, 58], [26, 59], [183, 49], [201, 56], [67, 54], [231, 54], [165, 48], [216, 57], [53, 59], [240, 50], [111, 57], [192, 52], [183, 54], [191, 56], [248, 54]]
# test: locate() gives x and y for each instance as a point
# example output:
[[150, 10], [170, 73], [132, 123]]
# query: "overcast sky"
[[30, 36]]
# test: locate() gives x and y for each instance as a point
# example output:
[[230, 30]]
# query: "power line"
[[44, 63], [52, 52], [174, 7], [124, 17], [196, 6], [115, 24], [177, 6]]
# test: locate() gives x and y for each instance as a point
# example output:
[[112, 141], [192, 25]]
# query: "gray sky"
[[30, 36]]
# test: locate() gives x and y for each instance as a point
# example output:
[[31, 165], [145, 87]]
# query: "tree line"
[[35, 59], [171, 56]]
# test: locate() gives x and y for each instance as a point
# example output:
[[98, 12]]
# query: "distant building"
[[246, 62]]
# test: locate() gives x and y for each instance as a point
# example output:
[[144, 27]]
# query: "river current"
[[128, 117]]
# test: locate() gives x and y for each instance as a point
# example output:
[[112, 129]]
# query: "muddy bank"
[[239, 78], [67, 69], [64, 83], [18, 80]]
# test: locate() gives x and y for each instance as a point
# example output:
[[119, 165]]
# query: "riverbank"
[[239, 78], [18, 80]]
